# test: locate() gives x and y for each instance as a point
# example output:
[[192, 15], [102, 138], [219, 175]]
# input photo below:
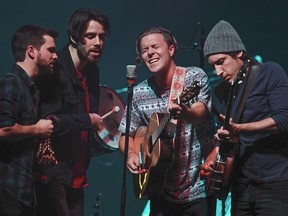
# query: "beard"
[[44, 69], [85, 56]]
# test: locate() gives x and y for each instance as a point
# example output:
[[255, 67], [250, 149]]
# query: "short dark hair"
[[79, 20], [168, 37], [29, 35]]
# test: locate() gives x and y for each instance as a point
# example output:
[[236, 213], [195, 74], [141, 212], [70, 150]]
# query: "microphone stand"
[[98, 206], [130, 81], [201, 52], [197, 46]]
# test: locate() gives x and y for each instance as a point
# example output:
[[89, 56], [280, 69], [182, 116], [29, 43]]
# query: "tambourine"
[[111, 108]]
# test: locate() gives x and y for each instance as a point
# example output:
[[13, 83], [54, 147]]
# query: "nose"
[[150, 51], [97, 41], [219, 71], [55, 56]]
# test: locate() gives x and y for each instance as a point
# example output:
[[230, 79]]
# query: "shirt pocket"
[[71, 103]]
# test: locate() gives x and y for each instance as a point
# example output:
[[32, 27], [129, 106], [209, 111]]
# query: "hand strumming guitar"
[[207, 167], [133, 163]]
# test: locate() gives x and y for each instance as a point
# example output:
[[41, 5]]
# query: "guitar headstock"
[[241, 72], [189, 93]]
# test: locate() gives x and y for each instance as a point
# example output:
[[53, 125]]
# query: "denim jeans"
[[58, 200], [199, 207], [11, 206], [266, 199]]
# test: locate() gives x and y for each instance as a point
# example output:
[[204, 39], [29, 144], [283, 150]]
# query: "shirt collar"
[[27, 79]]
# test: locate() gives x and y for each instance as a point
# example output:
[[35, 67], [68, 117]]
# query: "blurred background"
[[262, 25]]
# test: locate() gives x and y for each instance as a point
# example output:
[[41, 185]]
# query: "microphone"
[[131, 74]]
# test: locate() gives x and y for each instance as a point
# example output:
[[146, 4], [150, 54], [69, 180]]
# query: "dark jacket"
[[63, 97]]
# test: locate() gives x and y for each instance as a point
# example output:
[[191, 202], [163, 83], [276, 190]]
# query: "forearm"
[[66, 124], [132, 155], [132, 147], [197, 113], [212, 155], [267, 125], [19, 132]]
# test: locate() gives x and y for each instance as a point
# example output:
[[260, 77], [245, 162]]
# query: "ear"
[[240, 54], [139, 60], [73, 41], [172, 50], [31, 51]]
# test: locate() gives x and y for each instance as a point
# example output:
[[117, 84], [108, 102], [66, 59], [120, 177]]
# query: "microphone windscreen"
[[131, 71]]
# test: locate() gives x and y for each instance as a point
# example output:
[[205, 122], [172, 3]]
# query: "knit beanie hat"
[[223, 38]]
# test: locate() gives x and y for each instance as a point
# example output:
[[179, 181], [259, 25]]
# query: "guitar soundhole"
[[169, 130], [148, 161]]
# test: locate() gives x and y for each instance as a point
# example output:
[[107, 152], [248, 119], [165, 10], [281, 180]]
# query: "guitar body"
[[155, 158], [220, 181]]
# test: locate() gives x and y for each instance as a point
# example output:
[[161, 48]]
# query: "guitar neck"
[[156, 134], [232, 92], [229, 105]]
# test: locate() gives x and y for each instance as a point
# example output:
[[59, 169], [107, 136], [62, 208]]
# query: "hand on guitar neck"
[[228, 133], [178, 111]]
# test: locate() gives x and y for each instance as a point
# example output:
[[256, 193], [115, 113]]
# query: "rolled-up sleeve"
[[277, 96]]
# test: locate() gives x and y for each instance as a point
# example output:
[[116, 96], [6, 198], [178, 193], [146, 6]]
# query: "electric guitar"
[[220, 180], [155, 157]]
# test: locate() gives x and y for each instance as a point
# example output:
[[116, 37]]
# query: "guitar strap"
[[177, 84]]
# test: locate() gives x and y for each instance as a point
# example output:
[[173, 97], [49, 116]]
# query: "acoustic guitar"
[[155, 155]]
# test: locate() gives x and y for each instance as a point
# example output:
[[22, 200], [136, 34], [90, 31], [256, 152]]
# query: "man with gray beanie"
[[258, 118]]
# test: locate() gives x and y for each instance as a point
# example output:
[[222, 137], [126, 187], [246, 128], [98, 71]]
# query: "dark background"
[[262, 25]]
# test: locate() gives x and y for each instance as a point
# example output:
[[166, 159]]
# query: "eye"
[[52, 49], [90, 36], [156, 46], [143, 51], [219, 61]]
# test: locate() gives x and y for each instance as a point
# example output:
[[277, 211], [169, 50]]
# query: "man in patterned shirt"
[[34, 52], [183, 192]]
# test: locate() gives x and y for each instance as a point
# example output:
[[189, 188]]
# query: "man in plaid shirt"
[[34, 51]]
